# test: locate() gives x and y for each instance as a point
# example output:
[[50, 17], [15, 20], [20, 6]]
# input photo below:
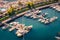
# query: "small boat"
[[28, 15], [29, 27], [42, 20], [11, 29], [37, 12], [34, 16], [40, 11], [21, 28], [54, 7], [58, 38], [44, 14], [5, 27], [53, 19], [20, 32], [14, 22], [40, 16], [46, 22]]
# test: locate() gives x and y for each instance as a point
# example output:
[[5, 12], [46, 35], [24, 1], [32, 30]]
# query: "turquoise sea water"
[[39, 31]]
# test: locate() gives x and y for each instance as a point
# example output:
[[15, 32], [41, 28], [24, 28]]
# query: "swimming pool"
[[39, 30]]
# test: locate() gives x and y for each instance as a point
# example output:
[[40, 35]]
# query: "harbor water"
[[39, 31]]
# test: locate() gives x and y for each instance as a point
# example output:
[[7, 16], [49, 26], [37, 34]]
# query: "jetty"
[[20, 14], [56, 6], [14, 17], [46, 6], [21, 29], [46, 20], [34, 14]]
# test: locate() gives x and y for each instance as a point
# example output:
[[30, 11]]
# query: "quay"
[[20, 14], [56, 7], [14, 17], [46, 6], [6, 21], [21, 28]]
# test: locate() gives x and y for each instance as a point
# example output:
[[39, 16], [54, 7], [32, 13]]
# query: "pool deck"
[[18, 15]]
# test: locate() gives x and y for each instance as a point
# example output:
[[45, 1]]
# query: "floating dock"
[[12, 18]]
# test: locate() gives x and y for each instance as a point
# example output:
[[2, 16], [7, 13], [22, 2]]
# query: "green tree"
[[11, 10], [30, 5]]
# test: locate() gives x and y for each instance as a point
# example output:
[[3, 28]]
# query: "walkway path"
[[20, 14]]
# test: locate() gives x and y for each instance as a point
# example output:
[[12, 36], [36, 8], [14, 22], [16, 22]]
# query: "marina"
[[56, 7], [29, 20], [40, 30], [46, 6], [21, 28]]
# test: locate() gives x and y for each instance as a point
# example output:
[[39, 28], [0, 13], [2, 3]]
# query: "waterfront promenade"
[[56, 7], [46, 6], [20, 14]]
